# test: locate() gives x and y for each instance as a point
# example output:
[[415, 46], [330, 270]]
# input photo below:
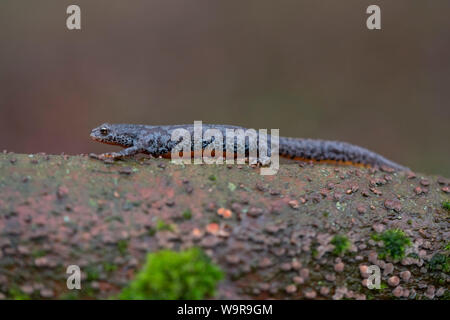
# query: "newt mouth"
[[98, 139], [95, 138]]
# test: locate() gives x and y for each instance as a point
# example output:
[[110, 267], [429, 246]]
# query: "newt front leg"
[[128, 152]]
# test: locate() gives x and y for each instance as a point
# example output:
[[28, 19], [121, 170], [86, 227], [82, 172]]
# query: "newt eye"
[[104, 131]]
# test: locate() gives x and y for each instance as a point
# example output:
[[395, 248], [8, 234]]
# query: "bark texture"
[[274, 236]]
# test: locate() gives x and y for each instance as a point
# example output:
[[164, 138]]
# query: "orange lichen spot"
[[212, 228], [197, 233], [226, 213], [294, 204]]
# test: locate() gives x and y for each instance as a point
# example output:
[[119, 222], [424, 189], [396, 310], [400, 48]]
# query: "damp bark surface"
[[271, 235]]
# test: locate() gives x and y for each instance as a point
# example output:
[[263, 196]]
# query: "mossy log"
[[308, 232]]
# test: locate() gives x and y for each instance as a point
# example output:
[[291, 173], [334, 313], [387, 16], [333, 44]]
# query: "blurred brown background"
[[310, 68]]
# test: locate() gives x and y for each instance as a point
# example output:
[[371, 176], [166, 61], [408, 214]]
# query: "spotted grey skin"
[[320, 150], [156, 140]]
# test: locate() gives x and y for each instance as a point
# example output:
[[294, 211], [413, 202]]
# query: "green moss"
[[447, 247], [122, 245], [161, 226], [440, 262], [38, 253], [88, 291], [395, 242], [109, 267], [92, 273], [172, 275], [151, 231], [413, 255], [16, 294], [446, 205], [341, 244], [187, 214], [212, 177], [446, 295], [369, 296]]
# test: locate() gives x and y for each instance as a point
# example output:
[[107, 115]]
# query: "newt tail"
[[156, 140]]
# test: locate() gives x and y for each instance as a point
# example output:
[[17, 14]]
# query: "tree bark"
[[272, 235]]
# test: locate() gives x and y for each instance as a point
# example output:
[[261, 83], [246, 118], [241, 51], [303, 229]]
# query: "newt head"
[[115, 134]]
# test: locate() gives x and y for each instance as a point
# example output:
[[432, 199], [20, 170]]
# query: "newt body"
[[156, 140]]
